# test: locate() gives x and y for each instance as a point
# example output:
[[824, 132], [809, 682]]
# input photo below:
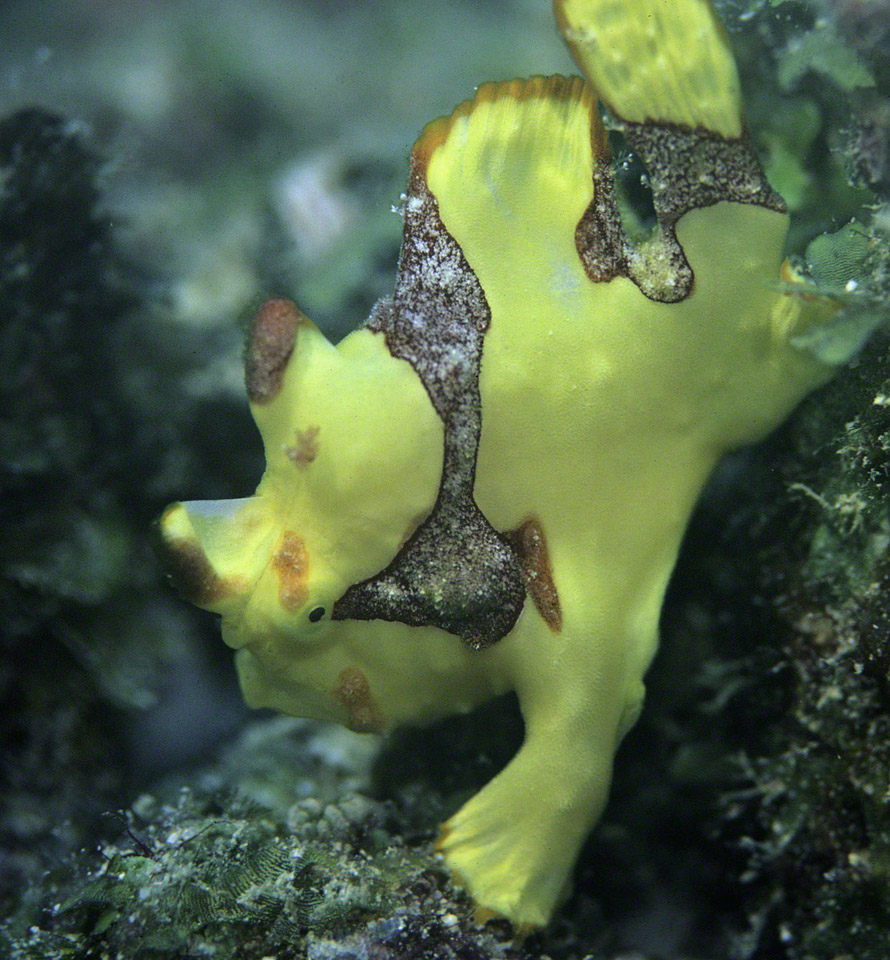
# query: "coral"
[[866, 26], [868, 144], [810, 811], [813, 808]]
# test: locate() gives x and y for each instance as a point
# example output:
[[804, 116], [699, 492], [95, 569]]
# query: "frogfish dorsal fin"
[[656, 62], [511, 169]]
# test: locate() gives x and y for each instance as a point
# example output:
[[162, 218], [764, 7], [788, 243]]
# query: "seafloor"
[[166, 165]]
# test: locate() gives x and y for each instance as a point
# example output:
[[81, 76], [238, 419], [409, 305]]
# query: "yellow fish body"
[[485, 487]]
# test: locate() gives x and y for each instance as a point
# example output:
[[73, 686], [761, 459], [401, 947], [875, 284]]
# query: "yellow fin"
[[651, 60], [511, 169]]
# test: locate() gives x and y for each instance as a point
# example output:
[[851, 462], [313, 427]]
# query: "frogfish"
[[484, 488]]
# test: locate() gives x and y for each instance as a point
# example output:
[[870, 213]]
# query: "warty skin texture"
[[543, 396]]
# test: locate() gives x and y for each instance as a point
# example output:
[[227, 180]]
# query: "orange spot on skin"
[[305, 450], [787, 275], [291, 563], [531, 546], [354, 692], [481, 915], [439, 845]]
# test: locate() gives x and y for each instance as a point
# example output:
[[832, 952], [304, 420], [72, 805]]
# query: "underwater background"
[[164, 166]]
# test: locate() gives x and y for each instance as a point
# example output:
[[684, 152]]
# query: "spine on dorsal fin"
[[666, 71], [531, 119], [512, 172], [656, 62]]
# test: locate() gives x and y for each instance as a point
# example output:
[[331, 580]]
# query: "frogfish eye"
[[316, 614]]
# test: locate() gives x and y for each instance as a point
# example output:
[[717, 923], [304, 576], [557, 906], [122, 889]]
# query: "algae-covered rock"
[[65, 540], [219, 874], [90, 637], [818, 820]]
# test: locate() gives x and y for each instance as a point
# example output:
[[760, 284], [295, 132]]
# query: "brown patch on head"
[[305, 449], [193, 576], [354, 692], [530, 544], [291, 563], [269, 347]]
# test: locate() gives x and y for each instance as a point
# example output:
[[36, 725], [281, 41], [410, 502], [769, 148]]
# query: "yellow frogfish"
[[485, 487]]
